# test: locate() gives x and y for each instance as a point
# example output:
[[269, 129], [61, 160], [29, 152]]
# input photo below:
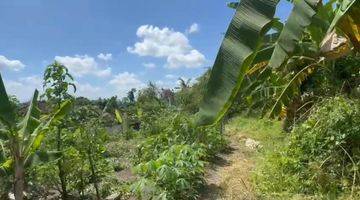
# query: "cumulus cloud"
[[194, 28], [149, 65], [123, 82], [167, 43], [15, 65], [23, 88], [192, 59], [105, 57], [83, 65]]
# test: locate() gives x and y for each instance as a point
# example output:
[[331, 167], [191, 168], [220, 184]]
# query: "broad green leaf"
[[292, 89], [300, 17], [118, 116], [350, 24], [6, 167], [242, 40], [64, 109], [31, 120], [7, 115], [340, 12], [39, 133]]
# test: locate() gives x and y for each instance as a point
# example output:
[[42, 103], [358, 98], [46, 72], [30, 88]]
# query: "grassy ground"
[[229, 177]]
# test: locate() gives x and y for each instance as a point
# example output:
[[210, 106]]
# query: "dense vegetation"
[[305, 72]]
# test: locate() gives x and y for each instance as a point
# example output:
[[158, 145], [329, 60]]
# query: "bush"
[[322, 156], [176, 174], [171, 162], [178, 128]]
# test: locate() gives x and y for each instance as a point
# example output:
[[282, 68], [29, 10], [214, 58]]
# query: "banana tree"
[[24, 138], [248, 58]]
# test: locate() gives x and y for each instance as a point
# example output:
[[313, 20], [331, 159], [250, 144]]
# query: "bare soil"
[[228, 177]]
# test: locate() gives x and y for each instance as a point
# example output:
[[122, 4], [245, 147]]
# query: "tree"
[[313, 36], [57, 81], [131, 95], [90, 140], [23, 139]]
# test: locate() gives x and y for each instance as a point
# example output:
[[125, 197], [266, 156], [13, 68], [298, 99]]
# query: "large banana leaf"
[[7, 115], [299, 19], [292, 88], [341, 11], [350, 24], [242, 40], [32, 117], [39, 133]]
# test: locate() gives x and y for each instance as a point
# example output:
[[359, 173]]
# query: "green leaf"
[[7, 114], [40, 157], [32, 117], [6, 167], [300, 17], [118, 116], [39, 133], [238, 49], [64, 109], [340, 12], [292, 89], [233, 5], [4, 134]]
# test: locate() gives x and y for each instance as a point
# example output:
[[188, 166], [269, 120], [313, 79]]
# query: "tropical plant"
[[276, 64], [321, 157], [57, 81], [176, 174], [24, 138], [90, 141]]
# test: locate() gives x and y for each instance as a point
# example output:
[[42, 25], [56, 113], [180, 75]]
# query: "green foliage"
[[170, 161], [57, 81], [189, 97], [322, 156], [242, 40], [176, 174]]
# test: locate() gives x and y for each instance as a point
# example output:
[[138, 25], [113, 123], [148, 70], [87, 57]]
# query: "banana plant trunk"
[[19, 176]]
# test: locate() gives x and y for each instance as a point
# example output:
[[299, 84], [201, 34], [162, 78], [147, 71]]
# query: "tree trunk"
[[60, 167], [19, 179], [94, 176]]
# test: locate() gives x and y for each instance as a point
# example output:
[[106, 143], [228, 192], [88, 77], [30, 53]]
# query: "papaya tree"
[[272, 65], [23, 138], [57, 81]]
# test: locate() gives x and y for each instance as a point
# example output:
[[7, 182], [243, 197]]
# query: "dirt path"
[[229, 176]]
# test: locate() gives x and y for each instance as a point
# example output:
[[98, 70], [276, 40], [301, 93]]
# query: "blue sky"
[[110, 46]]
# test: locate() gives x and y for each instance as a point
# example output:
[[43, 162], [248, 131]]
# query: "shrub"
[[176, 174], [322, 156], [171, 162]]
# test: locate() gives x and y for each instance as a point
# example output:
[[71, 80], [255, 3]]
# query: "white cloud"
[[125, 81], [15, 65], [105, 57], [83, 65], [165, 42], [23, 88], [170, 76], [149, 65], [193, 59], [194, 28]]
